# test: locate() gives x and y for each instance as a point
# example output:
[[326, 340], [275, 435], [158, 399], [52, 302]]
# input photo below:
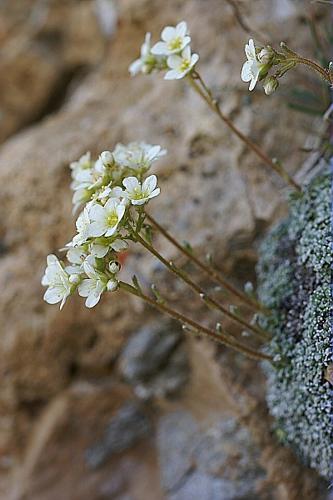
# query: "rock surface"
[[65, 89]]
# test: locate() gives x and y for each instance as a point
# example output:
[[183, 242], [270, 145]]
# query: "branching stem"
[[202, 294], [209, 271], [206, 94], [220, 337]]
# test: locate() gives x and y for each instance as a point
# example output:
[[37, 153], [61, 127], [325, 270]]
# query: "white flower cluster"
[[259, 62], [172, 53], [113, 190]]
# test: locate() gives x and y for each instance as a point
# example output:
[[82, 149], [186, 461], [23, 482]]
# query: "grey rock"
[[219, 463], [125, 429], [199, 486], [175, 440], [155, 361]]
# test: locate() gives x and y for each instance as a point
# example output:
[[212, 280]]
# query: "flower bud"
[[114, 267], [107, 158], [74, 279], [112, 285], [270, 85], [266, 55]]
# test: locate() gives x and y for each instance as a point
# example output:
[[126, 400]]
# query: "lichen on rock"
[[294, 273]]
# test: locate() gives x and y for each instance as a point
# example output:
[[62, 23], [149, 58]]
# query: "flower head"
[[58, 282], [105, 219], [137, 156], [96, 283], [251, 67], [181, 65], [139, 193], [146, 62], [82, 226], [174, 40]]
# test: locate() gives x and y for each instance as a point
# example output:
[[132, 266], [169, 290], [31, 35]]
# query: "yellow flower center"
[[112, 219], [175, 43], [185, 64]]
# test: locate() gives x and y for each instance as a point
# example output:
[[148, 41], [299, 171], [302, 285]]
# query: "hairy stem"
[[210, 271], [202, 294], [204, 92], [220, 337]]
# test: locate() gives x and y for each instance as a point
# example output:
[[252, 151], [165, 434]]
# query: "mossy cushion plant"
[[294, 274]]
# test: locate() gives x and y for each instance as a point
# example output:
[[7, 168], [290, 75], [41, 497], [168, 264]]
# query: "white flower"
[[138, 156], [80, 197], [93, 286], [105, 219], [181, 65], [83, 163], [139, 193], [106, 158], [146, 61], [57, 280], [109, 192], [251, 67], [174, 40], [76, 257], [82, 225], [101, 246]]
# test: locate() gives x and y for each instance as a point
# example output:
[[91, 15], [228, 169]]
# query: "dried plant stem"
[[220, 337], [204, 92], [209, 271], [202, 294], [324, 73]]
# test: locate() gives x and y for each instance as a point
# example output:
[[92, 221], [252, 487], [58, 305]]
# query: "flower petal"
[[96, 212], [160, 49], [97, 229], [181, 28], [173, 74], [131, 183], [246, 74], [168, 33], [149, 184], [174, 62], [86, 287]]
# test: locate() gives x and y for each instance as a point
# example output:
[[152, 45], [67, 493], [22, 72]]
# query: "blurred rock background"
[[116, 403]]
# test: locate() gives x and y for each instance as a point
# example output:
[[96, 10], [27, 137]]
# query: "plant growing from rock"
[[288, 327]]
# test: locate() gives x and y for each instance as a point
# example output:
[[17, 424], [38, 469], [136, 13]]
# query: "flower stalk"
[[210, 301], [199, 86], [210, 271], [220, 336]]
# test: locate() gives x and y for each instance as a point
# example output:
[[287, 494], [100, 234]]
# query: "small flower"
[[101, 246], [251, 67], [270, 85], [146, 62], [105, 219], [174, 40], [93, 286], [139, 193], [109, 192], [83, 163], [83, 227], [181, 65], [106, 158], [138, 156], [58, 282], [76, 257]]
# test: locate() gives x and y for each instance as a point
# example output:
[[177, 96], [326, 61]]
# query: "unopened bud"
[[266, 55], [74, 279], [112, 285], [107, 158], [270, 85], [114, 267]]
